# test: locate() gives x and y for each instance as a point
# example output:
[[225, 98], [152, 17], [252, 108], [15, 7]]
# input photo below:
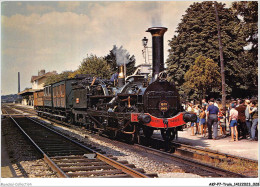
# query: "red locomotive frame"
[[155, 122]]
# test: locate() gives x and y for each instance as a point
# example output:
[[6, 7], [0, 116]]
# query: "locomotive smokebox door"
[[161, 99]]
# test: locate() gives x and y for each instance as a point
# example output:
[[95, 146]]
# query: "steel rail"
[[125, 169], [192, 162], [122, 167], [213, 152], [207, 156], [109, 161], [4, 112], [46, 158]]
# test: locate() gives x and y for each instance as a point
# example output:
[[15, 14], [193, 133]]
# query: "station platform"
[[25, 106], [243, 147]]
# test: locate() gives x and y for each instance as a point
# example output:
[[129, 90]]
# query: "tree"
[[202, 77], [74, 73], [58, 77], [112, 61], [197, 35], [96, 66], [247, 12]]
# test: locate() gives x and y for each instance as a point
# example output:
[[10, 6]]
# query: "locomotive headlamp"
[[189, 117], [144, 118], [163, 75], [145, 41]]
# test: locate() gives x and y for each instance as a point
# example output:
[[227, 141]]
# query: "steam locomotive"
[[133, 106]]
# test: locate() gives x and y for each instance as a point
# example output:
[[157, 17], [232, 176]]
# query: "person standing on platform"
[[203, 126], [204, 103], [197, 112], [254, 113], [248, 118], [212, 113], [222, 126], [233, 121], [241, 126], [191, 109]]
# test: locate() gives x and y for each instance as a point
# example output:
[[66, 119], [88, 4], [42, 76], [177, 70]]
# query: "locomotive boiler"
[[137, 104]]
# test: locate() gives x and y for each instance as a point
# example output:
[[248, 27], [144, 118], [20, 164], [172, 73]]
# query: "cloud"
[[69, 6], [60, 40], [39, 8]]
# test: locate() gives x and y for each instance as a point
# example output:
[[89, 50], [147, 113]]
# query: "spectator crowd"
[[239, 120]]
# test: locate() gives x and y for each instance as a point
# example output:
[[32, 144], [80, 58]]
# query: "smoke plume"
[[156, 14], [122, 56], [156, 20]]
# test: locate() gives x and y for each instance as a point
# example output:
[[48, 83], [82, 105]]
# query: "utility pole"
[[221, 60]]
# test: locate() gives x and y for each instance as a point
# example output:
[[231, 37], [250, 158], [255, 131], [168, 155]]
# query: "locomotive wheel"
[[148, 132], [112, 134], [168, 135]]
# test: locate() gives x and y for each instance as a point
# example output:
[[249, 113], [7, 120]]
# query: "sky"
[[58, 35]]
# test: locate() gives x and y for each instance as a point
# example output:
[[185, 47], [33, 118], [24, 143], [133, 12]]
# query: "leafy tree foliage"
[[202, 77], [56, 78], [74, 73], [197, 35], [111, 60], [96, 66], [247, 12]]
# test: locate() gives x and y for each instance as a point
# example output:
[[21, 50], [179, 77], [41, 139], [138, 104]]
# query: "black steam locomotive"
[[134, 105]]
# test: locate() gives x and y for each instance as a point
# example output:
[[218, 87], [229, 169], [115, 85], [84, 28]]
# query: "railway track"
[[241, 166], [13, 110], [27, 110], [217, 164], [7, 110], [69, 158], [208, 170]]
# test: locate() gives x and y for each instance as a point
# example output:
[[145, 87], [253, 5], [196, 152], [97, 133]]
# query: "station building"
[[37, 82]]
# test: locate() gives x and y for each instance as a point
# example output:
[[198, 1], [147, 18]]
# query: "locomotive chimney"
[[121, 76], [19, 82], [157, 43]]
